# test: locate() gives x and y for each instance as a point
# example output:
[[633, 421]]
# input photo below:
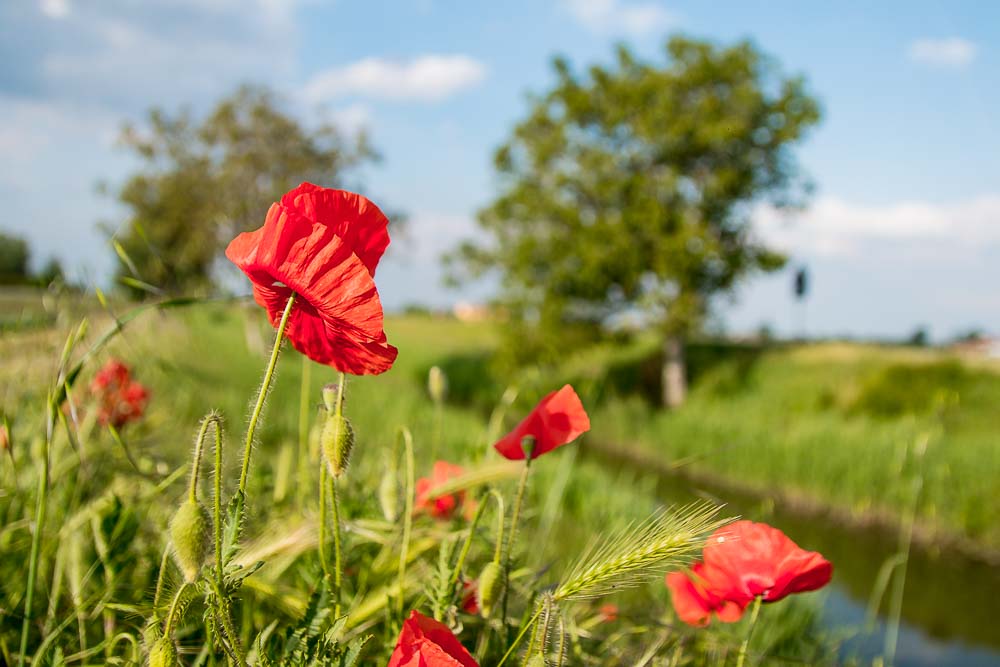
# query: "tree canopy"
[[629, 189], [14, 256], [202, 181]]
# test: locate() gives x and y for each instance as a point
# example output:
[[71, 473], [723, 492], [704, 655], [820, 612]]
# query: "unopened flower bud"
[[491, 585], [388, 495], [537, 660], [189, 533], [437, 384], [337, 441], [163, 653], [4, 436]]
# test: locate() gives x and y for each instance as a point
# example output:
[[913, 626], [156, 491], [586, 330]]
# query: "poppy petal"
[[558, 419]]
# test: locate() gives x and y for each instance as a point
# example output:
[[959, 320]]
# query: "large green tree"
[[628, 190], [203, 180], [14, 256]]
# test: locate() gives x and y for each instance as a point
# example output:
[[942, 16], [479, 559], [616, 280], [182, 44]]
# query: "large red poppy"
[[424, 642], [441, 507], [758, 559], [699, 594], [322, 245], [558, 418]]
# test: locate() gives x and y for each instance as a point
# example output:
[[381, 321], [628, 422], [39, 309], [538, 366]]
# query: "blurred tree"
[[202, 182], [630, 190], [14, 256], [51, 272]]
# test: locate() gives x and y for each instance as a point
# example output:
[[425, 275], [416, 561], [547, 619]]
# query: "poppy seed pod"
[[491, 585], [163, 653], [330, 392], [337, 441], [189, 533], [437, 384]]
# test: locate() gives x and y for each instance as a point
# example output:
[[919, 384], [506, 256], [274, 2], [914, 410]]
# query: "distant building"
[[983, 347], [471, 312]]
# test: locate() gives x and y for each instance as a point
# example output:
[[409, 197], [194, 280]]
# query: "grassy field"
[[111, 501]]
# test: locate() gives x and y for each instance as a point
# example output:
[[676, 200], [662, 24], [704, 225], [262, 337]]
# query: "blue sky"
[[904, 229]]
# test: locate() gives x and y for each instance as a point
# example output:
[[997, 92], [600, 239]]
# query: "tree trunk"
[[673, 375]]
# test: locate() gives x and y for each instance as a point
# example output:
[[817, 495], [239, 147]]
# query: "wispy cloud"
[[425, 78], [633, 18], [835, 227], [950, 52]]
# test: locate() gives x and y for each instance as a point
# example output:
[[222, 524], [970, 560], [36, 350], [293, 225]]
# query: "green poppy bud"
[[437, 384], [189, 533], [330, 396], [163, 653], [537, 660], [337, 441], [491, 585]]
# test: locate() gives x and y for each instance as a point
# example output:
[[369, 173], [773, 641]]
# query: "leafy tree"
[[202, 181], [14, 256], [628, 191]]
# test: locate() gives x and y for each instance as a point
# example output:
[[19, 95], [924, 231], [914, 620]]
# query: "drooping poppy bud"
[[491, 585], [337, 441], [189, 533], [437, 384], [163, 653]]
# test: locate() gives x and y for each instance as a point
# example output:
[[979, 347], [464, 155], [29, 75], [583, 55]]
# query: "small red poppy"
[[470, 604], [699, 594], [322, 245], [558, 419], [441, 507], [424, 642], [758, 559], [120, 398], [608, 613]]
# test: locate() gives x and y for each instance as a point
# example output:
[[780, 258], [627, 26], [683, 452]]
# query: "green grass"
[[104, 536]]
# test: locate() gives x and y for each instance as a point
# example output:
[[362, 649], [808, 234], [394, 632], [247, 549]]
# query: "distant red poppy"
[[469, 603], [120, 399], [608, 613], [559, 418], [441, 507], [699, 594], [758, 559], [322, 245], [424, 642]]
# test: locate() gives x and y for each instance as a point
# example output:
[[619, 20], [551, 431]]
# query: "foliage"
[[630, 189], [204, 180], [14, 256]]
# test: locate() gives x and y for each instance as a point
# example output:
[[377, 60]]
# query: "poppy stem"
[[753, 623], [262, 395], [199, 446], [323, 561], [404, 549], [337, 566], [528, 446], [520, 636]]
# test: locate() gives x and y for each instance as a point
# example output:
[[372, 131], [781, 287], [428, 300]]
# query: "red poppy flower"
[[441, 507], [120, 398], [559, 418], [758, 559], [469, 603], [322, 245], [700, 594], [608, 613], [424, 642]]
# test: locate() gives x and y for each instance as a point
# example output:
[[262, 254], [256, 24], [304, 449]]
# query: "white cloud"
[[55, 9], [834, 227], [426, 78], [636, 18], [950, 52], [352, 119]]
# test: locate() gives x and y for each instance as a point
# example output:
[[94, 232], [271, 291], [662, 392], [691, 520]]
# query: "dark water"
[[951, 603]]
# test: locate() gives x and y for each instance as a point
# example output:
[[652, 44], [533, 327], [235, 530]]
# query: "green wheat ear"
[[189, 534], [629, 556]]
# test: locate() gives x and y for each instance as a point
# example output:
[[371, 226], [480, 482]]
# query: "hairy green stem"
[[457, 571], [520, 636], [199, 446], [753, 623], [41, 508], [337, 564], [404, 549], [305, 387], [522, 485], [323, 560], [172, 614], [262, 395], [217, 503]]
